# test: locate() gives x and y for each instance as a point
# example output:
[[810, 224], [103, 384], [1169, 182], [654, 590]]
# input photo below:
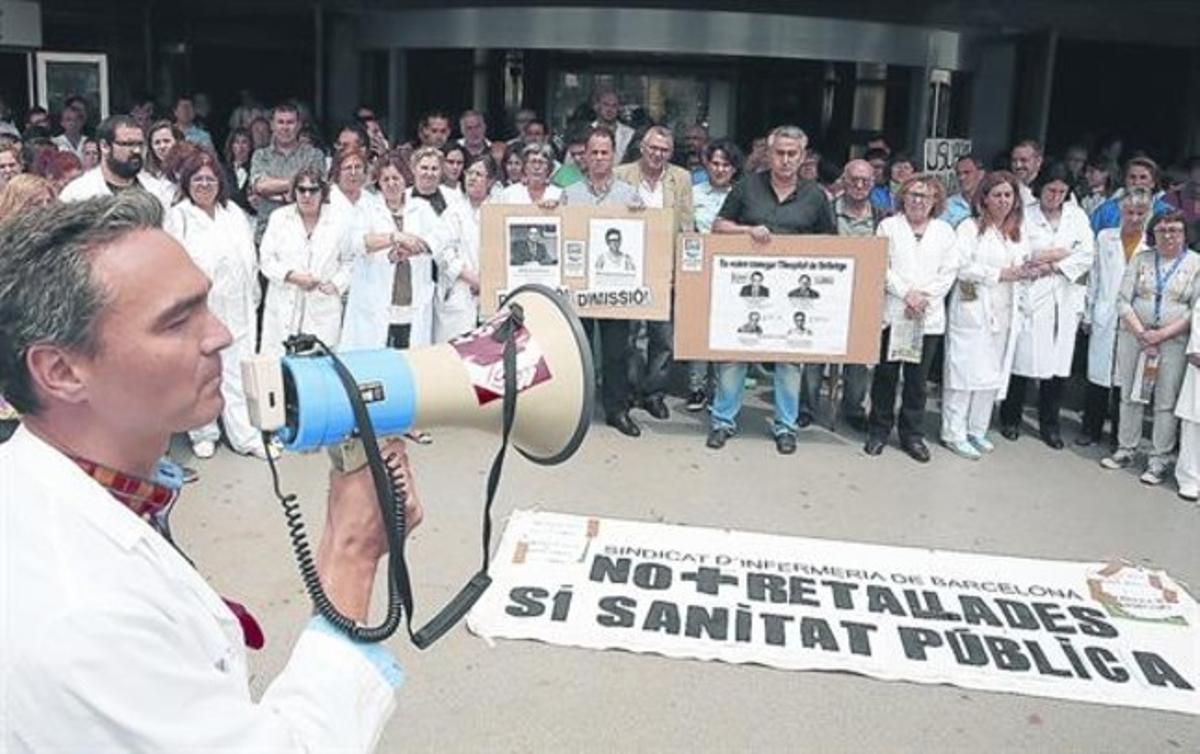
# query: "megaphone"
[[526, 373], [301, 400]]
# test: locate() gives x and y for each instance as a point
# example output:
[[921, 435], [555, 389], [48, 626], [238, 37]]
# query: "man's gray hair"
[[48, 294], [787, 132], [471, 114], [1137, 198], [660, 131]]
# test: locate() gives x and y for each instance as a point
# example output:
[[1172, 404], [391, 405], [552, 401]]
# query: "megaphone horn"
[[458, 383]]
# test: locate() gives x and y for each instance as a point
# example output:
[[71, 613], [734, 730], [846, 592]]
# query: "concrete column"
[[342, 57], [479, 82], [992, 97]]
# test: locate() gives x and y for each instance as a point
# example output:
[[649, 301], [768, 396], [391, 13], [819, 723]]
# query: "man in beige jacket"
[[659, 185]]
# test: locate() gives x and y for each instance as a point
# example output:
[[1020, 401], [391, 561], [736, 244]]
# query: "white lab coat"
[[455, 307], [1188, 407], [928, 265], [92, 184], [222, 246], [113, 642], [518, 193], [1104, 284], [369, 308], [326, 255], [979, 342], [1050, 308]]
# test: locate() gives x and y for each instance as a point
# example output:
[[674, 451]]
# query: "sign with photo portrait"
[[609, 262], [795, 299]]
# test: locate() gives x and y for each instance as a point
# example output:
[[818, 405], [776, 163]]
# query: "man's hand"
[[328, 288], [760, 234], [354, 539]]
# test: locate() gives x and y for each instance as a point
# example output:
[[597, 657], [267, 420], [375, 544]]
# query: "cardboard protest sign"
[[1093, 632], [797, 299], [609, 262]]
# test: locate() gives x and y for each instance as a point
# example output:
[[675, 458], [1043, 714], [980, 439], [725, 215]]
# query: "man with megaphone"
[[112, 641]]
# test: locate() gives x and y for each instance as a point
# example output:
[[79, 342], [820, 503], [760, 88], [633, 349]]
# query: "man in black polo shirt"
[[762, 204]]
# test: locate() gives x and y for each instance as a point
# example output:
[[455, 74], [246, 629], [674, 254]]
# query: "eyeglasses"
[[918, 197], [204, 179], [860, 182], [1169, 230], [308, 189], [131, 144]]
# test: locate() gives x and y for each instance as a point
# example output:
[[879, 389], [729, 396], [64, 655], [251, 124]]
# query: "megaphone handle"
[[458, 607]]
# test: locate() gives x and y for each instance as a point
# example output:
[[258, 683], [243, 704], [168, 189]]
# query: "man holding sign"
[[762, 204]]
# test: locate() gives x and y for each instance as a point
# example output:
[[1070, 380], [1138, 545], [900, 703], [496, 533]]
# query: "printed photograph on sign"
[[533, 251], [616, 254], [781, 304], [574, 259], [692, 257]]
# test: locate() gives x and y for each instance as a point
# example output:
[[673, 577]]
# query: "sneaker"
[[981, 443], [1154, 473], [1190, 494], [963, 449], [204, 449], [1118, 460], [697, 400], [189, 474]]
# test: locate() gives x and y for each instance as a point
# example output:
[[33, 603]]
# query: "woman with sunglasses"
[[306, 260], [219, 239], [1158, 293]]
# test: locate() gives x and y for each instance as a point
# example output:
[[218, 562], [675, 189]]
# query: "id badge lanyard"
[[1162, 281]]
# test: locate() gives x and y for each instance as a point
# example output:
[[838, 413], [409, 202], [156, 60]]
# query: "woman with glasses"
[[306, 258], [1049, 304], [219, 239], [1158, 293], [533, 187], [921, 262], [456, 301], [992, 251]]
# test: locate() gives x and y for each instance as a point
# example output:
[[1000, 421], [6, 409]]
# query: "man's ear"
[[55, 373]]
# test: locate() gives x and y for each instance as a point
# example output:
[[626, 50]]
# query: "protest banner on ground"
[[1093, 632]]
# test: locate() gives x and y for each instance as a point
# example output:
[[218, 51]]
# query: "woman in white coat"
[[1049, 304], [921, 265], [537, 162], [305, 256], [983, 310], [1114, 248], [1187, 468], [456, 303], [1158, 293], [218, 238], [411, 301], [373, 239], [429, 212]]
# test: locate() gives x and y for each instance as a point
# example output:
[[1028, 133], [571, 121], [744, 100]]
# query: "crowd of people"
[[1032, 271]]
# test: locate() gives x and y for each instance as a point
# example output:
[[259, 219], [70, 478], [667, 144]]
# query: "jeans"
[[731, 385]]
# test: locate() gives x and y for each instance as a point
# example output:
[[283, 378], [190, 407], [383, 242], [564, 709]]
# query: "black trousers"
[[1101, 403], [397, 336], [912, 398], [615, 351], [653, 377], [1050, 392]]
